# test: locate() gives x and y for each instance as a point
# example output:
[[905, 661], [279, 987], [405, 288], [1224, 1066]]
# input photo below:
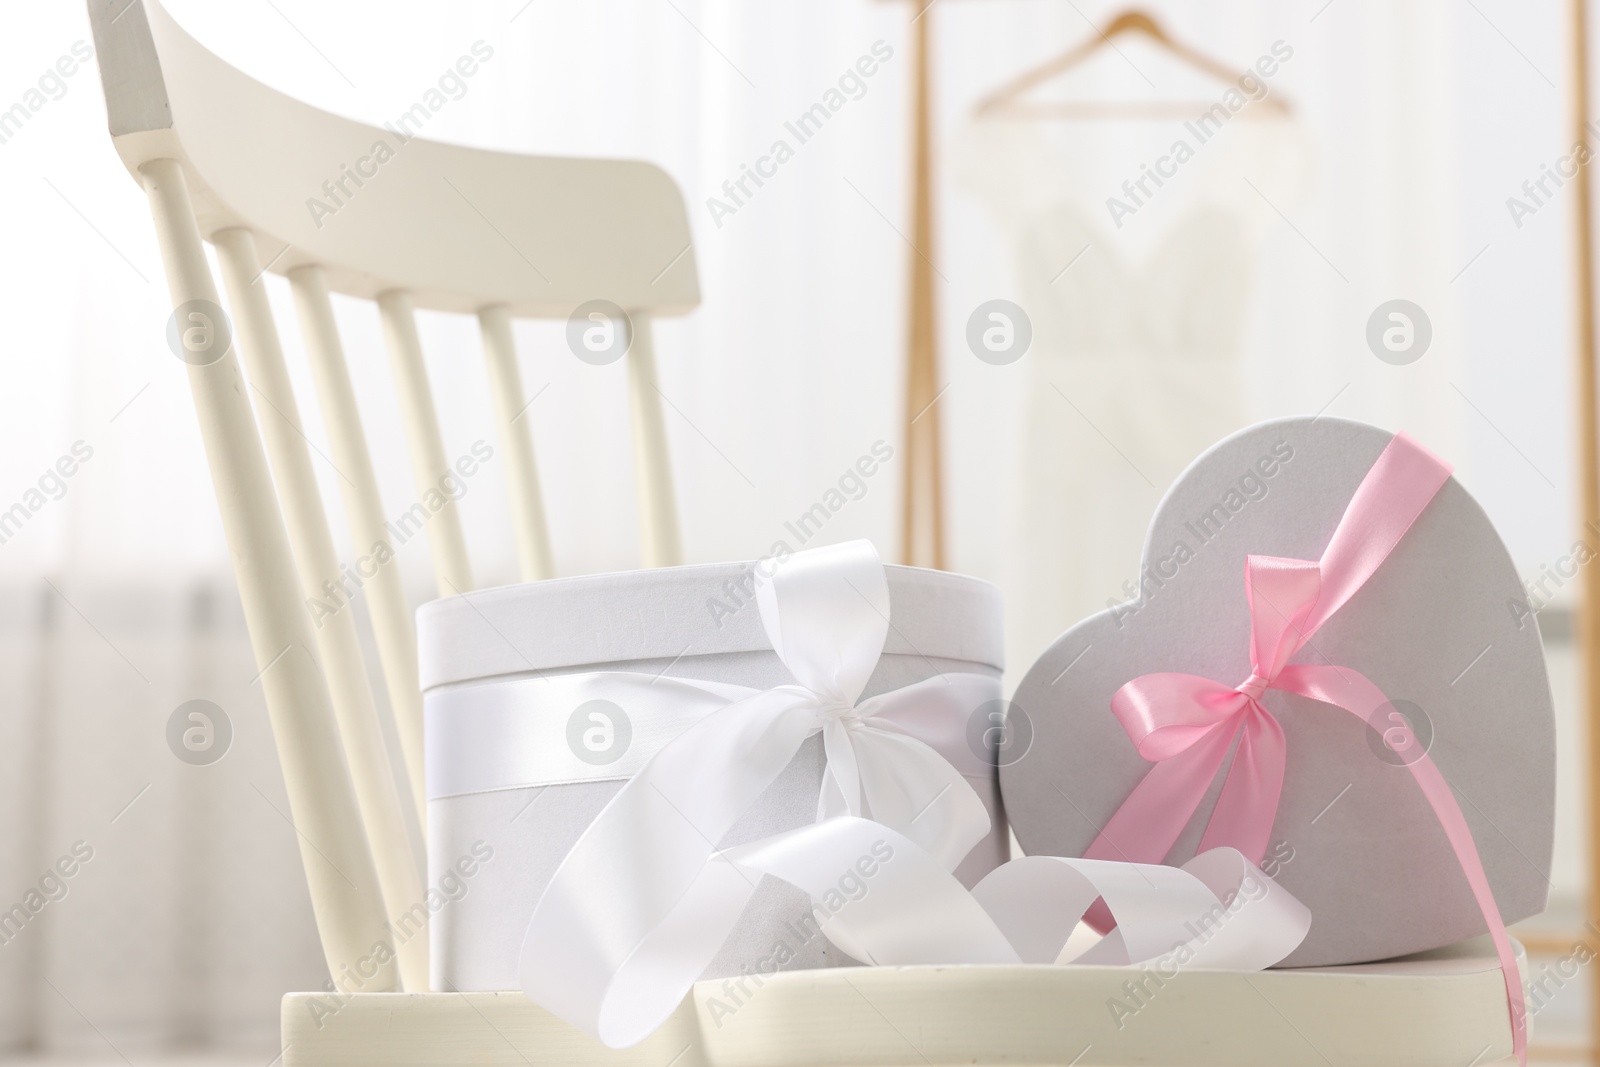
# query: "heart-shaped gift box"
[[1441, 627]]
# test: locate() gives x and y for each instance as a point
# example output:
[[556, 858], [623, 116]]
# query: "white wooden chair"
[[226, 159]]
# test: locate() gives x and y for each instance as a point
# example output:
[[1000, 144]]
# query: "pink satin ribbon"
[[1185, 724]]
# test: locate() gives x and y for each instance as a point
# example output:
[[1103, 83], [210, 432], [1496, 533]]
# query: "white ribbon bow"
[[645, 899], [641, 904]]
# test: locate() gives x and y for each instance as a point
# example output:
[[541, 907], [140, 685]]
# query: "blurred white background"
[[1413, 123]]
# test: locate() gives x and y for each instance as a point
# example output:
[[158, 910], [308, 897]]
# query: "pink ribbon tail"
[[1244, 810], [1352, 691]]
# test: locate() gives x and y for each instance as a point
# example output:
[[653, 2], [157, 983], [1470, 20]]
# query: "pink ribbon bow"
[[1185, 724]]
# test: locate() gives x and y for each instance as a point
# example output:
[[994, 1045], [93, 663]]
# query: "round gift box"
[[491, 853]]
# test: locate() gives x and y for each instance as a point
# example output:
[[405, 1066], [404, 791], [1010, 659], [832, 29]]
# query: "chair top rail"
[[380, 208]]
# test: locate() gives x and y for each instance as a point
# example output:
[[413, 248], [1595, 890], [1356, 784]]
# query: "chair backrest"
[[379, 213]]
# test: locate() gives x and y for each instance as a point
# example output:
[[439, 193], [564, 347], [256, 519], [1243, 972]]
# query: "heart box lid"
[[1442, 628]]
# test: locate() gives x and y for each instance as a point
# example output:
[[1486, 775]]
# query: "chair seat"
[[1445, 1007]]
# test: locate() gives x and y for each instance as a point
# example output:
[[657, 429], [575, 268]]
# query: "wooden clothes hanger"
[[1008, 98]]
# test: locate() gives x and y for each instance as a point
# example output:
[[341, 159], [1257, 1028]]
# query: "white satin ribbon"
[[640, 905], [512, 734], [891, 904], [645, 899]]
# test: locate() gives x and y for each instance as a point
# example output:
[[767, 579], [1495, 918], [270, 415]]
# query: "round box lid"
[[673, 611]]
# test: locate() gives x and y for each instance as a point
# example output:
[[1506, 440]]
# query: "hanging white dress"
[[1134, 366]]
